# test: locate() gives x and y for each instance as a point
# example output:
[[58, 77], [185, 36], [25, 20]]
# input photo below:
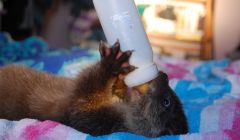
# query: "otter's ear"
[[163, 78]]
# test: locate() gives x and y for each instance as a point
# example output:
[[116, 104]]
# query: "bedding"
[[209, 91]]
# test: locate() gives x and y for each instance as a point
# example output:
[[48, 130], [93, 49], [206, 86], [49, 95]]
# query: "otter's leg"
[[92, 110], [95, 84]]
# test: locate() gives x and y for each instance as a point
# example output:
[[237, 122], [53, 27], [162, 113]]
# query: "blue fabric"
[[11, 51], [56, 60]]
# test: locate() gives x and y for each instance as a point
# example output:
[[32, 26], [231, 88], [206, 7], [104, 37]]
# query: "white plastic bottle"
[[120, 20]]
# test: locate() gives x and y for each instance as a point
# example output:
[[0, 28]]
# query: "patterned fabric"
[[209, 91], [11, 51]]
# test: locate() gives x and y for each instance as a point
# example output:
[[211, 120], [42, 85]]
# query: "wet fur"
[[96, 102]]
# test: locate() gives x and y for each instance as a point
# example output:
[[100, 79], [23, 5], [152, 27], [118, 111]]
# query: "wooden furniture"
[[184, 44], [207, 41]]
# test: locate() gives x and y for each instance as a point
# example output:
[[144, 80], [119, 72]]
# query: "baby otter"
[[96, 102]]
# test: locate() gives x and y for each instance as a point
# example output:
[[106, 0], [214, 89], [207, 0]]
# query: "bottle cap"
[[141, 75]]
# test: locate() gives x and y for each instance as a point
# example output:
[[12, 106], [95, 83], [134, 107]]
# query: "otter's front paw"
[[114, 60]]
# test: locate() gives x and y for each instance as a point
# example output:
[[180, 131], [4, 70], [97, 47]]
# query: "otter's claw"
[[115, 60]]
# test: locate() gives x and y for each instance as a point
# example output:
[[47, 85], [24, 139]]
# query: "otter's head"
[[157, 111]]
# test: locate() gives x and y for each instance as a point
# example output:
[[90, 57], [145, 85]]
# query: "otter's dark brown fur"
[[96, 102]]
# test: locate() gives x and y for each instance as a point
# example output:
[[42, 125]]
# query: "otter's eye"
[[166, 102]]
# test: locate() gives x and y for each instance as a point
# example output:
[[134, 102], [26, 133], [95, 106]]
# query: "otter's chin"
[[135, 93], [143, 89]]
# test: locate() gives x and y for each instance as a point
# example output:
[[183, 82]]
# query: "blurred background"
[[184, 29]]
